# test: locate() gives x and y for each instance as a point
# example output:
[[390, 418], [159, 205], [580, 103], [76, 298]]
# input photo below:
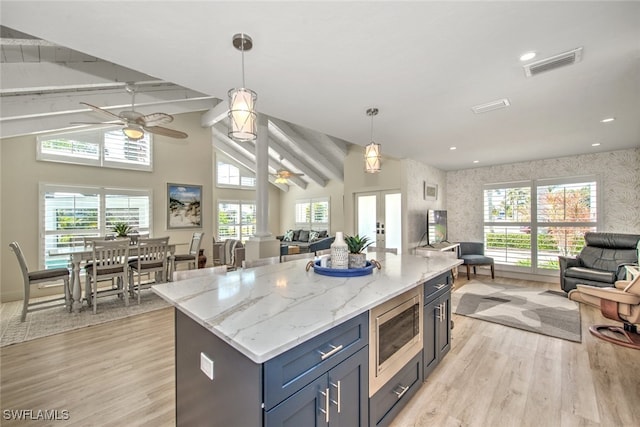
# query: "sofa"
[[601, 262], [306, 240]]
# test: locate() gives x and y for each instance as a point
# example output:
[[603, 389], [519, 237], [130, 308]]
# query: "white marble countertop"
[[265, 311]]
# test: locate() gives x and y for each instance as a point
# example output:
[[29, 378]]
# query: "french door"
[[379, 217]]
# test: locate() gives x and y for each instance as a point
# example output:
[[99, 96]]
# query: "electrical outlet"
[[206, 365]]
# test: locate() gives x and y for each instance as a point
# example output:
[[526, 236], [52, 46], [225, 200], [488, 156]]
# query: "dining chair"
[[88, 243], [378, 249], [151, 257], [109, 261], [190, 258], [35, 277], [306, 255], [260, 262]]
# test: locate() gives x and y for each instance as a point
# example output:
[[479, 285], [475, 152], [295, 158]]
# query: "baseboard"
[[485, 271]]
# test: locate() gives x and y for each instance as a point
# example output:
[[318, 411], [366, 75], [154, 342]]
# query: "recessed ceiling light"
[[608, 120], [476, 161], [527, 56], [452, 148], [595, 144]]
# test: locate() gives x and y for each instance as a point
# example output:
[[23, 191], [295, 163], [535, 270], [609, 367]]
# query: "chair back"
[[109, 256], [152, 252], [471, 248], [196, 241], [15, 247], [260, 262]]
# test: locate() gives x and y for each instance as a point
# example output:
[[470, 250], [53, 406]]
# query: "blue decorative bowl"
[[343, 272]]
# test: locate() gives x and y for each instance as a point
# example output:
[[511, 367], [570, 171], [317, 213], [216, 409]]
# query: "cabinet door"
[[443, 324], [349, 391], [431, 323], [303, 408]]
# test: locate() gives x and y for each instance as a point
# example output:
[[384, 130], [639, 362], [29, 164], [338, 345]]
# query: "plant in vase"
[[356, 245], [122, 229]]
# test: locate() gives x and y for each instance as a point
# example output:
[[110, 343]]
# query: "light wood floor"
[[121, 373]]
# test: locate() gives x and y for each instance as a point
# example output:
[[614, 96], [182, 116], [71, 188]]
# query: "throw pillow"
[[313, 236], [296, 235], [323, 234], [288, 236], [304, 236]]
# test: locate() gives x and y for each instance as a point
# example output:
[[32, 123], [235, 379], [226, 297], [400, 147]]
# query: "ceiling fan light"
[[242, 115], [133, 132], [372, 158], [281, 180]]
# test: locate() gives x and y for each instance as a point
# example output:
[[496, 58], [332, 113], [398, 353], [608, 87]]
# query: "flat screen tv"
[[436, 226]]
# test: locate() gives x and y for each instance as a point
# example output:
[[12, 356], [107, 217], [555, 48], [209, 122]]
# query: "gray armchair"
[[601, 262], [472, 255]]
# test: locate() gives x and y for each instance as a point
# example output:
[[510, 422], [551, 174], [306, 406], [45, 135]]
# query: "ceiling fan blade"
[[101, 111], [155, 119], [159, 130]]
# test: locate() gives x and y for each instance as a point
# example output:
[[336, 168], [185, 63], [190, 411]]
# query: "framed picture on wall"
[[184, 206], [429, 191]]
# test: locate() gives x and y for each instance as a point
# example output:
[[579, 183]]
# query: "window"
[[68, 214], [97, 147], [527, 225], [236, 220], [312, 214], [229, 175]]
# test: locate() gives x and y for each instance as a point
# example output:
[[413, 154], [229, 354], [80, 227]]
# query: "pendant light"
[[242, 101], [372, 163]]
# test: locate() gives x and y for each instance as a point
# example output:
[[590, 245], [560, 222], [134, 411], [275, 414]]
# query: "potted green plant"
[[122, 229], [356, 245]]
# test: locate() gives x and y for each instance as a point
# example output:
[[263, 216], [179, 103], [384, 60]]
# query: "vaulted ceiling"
[[317, 66]]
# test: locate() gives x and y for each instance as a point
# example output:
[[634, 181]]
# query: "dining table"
[[79, 254]]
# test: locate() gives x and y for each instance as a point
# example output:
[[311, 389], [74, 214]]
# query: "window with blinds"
[[527, 225], [312, 214], [236, 220], [69, 214], [97, 147]]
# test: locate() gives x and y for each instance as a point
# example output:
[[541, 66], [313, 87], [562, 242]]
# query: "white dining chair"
[[190, 258], [109, 261], [35, 277], [151, 257]]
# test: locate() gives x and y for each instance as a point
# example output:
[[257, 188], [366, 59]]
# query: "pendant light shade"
[[372, 157], [242, 101]]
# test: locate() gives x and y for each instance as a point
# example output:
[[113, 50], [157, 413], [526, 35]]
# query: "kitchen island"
[[247, 341]]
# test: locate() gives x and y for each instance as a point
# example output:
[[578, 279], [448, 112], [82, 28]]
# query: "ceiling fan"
[[282, 175], [135, 123]]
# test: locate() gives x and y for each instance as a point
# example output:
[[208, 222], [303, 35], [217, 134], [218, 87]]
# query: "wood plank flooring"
[[121, 373]]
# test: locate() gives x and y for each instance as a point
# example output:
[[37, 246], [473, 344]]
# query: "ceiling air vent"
[[490, 106], [553, 62]]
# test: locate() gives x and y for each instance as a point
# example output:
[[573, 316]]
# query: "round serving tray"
[[343, 272]]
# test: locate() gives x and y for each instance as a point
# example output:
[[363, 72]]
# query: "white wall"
[[415, 205], [187, 161]]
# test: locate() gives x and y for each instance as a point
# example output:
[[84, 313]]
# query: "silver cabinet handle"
[[439, 313], [440, 286], [333, 351], [325, 411], [338, 398], [402, 391]]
